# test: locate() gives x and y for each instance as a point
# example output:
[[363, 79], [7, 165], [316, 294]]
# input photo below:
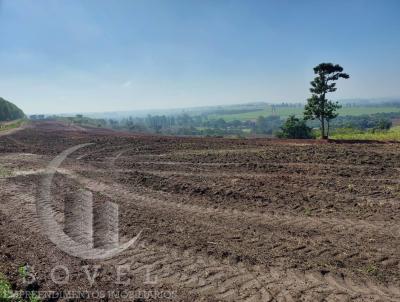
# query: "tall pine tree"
[[318, 106]]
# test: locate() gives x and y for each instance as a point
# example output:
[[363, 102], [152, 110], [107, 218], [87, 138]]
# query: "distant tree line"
[[393, 103], [200, 125], [382, 121], [183, 124]]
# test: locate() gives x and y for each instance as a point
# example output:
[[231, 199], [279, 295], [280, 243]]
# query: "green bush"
[[295, 128]]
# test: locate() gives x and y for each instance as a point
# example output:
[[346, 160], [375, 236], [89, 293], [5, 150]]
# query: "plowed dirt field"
[[220, 219]]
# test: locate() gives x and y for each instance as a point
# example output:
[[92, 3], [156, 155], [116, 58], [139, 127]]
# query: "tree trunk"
[[323, 129], [329, 128], [324, 136]]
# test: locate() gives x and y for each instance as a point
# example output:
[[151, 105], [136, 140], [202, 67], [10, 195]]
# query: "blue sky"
[[96, 55]]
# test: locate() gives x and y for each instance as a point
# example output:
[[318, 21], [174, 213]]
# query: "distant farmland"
[[286, 111]]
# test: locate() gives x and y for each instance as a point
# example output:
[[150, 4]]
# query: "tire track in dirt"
[[363, 199], [238, 164], [254, 175], [328, 281], [322, 224], [235, 282], [207, 276], [302, 222]]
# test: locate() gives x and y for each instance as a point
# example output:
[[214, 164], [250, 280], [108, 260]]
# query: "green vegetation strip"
[[285, 112], [11, 125], [352, 134]]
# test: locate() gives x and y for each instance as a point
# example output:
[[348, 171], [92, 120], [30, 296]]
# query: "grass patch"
[[371, 269], [33, 297], [352, 134], [11, 125], [4, 172], [6, 293], [307, 211]]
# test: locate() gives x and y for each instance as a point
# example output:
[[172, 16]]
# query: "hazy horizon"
[[108, 56], [166, 111]]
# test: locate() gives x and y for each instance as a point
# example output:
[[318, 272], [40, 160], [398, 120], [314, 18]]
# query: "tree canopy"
[[318, 106], [9, 112]]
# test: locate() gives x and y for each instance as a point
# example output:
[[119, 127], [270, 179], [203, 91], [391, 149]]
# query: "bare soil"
[[221, 219]]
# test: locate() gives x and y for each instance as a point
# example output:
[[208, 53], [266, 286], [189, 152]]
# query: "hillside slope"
[[9, 112]]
